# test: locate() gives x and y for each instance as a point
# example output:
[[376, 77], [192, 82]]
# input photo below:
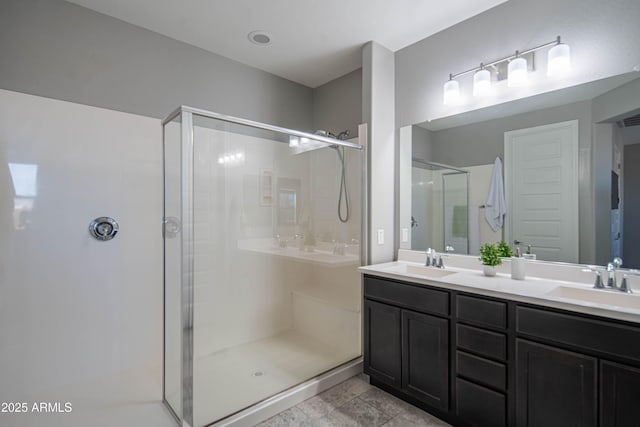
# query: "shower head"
[[341, 136], [301, 145], [326, 133]]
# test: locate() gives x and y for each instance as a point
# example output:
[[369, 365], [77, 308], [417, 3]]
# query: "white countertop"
[[567, 295]]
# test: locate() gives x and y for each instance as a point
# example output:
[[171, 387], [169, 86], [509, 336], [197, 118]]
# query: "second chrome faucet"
[[433, 259]]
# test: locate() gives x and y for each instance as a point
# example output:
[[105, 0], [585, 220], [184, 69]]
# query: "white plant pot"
[[489, 270]]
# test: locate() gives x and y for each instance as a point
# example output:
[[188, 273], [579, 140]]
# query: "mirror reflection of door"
[[541, 186]]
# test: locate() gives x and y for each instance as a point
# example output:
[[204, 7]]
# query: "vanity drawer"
[[481, 311], [406, 295], [479, 406], [616, 340], [481, 342], [483, 371]]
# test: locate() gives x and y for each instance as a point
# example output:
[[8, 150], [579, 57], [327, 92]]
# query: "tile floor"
[[353, 402]]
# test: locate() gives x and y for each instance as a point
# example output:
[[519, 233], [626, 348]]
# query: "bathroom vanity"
[[480, 351]]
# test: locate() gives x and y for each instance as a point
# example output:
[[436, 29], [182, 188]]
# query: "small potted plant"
[[490, 257], [504, 250]]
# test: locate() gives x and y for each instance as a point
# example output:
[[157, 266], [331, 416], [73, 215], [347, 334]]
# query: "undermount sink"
[[427, 271], [596, 296]]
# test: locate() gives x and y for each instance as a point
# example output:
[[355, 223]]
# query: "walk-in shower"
[[262, 292]]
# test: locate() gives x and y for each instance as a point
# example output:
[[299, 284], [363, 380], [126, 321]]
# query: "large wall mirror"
[[571, 175]]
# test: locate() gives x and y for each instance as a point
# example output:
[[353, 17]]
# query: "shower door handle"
[[171, 227]]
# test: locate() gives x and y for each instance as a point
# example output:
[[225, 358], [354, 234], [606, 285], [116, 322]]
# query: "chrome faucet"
[[611, 274], [611, 270], [624, 286], [433, 259], [598, 282]]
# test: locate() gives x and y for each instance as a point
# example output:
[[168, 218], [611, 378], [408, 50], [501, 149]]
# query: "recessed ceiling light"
[[259, 37]]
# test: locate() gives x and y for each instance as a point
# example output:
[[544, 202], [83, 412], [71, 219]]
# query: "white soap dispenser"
[[517, 265]]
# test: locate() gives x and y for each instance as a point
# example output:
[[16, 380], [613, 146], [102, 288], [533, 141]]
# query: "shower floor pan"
[[232, 379]]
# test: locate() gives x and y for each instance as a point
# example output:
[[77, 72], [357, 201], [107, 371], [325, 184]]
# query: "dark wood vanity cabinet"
[[382, 342], [425, 358], [575, 370], [404, 348], [619, 394], [480, 361], [554, 387]]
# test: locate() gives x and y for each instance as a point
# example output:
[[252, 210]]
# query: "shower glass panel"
[[439, 207], [260, 267]]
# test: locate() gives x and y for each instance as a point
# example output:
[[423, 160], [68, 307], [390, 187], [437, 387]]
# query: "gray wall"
[[603, 36], [337, 105], [59, 50], [631, 236], [618, 103], [422, 144]]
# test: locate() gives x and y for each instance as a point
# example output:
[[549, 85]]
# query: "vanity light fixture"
[[516, 66], [451, 92], [559, 60], [518, 74], [482, 82]]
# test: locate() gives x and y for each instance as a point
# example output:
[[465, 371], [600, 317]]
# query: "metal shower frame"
[[187, 233]]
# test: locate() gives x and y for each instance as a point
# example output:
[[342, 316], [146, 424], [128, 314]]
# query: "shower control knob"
[[104, 228]]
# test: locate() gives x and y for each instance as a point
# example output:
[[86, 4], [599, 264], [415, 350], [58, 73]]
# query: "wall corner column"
[[378, 111]]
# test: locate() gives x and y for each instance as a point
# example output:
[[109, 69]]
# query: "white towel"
[[496, 206]]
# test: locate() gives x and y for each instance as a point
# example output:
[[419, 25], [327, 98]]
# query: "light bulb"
[[517, 72], [559, 60], [294, 141], [451, 93], [482, 83]]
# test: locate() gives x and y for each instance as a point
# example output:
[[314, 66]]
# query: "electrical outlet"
[[381, 236], [405, 235]]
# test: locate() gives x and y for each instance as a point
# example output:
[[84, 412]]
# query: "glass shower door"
[[261, 262]]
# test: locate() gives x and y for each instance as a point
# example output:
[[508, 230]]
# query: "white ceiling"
[[313, 41]]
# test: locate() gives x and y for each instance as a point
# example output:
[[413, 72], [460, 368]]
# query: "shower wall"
[[80, 319]]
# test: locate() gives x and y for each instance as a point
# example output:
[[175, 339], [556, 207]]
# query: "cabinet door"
[[619, 393], [425, 358], [554, 387], [382, 342]]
